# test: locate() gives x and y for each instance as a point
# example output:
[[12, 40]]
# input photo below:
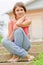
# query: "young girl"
[[17, 42]]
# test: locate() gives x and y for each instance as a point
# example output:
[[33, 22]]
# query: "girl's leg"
[[18, 37], [22, 39], [13, 48], [26, 42]]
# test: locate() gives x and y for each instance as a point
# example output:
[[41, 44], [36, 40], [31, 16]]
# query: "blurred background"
[[35, 11]]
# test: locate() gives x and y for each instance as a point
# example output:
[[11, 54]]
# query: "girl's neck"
[[17, 18]]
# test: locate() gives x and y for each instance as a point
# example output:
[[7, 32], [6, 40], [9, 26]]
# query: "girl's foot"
[[29, 57], [13, 59]]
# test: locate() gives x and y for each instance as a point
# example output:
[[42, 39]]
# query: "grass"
[[0, 39], [42, 38], [39, 60]]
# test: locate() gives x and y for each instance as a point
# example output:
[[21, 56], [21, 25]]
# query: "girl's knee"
[[4, 40], [18, 30], [18, 35]]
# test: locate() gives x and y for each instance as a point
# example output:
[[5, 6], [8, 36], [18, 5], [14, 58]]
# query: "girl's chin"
[[19, 16]]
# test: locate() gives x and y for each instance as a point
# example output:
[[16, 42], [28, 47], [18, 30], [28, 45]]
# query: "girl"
[[17, 42]]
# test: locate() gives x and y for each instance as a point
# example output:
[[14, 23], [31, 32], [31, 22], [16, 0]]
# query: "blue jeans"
[[21, 43]]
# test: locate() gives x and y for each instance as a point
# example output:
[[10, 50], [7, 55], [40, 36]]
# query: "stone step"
[[18, 63], [4, 55], [37, 43], [36, 48]]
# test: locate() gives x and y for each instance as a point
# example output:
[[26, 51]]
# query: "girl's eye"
[[17, 10], [21, 9]]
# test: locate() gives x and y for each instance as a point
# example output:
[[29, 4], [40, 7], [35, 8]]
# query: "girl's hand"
[[21, 20], [15, 27]]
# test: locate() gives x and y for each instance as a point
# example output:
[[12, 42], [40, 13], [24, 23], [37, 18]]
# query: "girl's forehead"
[[18, 7]]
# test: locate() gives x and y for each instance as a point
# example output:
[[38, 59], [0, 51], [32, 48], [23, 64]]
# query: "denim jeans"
[[21, 43]]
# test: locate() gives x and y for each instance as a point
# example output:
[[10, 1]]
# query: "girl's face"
[[19, 11]]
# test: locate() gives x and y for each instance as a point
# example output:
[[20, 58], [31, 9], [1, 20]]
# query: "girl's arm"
[[10, 31], [26, 23], [21, 20]]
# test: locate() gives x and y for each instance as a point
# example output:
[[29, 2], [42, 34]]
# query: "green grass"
[[39, 60], [42, 38], [0, 39]]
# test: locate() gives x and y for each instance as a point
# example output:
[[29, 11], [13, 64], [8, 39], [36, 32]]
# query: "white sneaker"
[[31, 58]]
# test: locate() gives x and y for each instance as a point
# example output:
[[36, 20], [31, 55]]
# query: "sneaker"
[[31, 58]]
